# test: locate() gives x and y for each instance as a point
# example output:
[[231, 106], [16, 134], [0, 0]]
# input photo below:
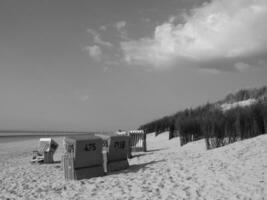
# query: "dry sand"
[[166, 171]]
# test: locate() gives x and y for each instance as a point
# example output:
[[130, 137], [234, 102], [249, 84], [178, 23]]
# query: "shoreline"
[[40, 133]]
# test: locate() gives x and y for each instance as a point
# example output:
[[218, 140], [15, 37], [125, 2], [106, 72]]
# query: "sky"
[[102, 65]]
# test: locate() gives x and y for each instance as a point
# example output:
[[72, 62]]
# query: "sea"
[[11, 136]]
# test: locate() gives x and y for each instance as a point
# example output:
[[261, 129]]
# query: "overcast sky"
[[107, 65]]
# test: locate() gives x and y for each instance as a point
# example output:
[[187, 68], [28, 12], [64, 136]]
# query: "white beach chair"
[[45, 152]]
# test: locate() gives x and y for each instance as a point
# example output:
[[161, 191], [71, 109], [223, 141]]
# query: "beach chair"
[[120, 132], [83, 157], [137, 140], [115, 152], [45, 152]]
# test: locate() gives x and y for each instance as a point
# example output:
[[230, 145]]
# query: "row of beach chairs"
[[95, 155], [90, 156]]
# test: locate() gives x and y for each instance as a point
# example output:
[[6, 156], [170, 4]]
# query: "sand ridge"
[[166, 171]]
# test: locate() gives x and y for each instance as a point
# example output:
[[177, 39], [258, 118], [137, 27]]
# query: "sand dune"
[[228, 106], [166, 171]]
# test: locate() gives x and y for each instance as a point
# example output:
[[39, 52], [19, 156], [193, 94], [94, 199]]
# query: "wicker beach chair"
[[137, 140], [82, 158], [115, 152], [45, 151]]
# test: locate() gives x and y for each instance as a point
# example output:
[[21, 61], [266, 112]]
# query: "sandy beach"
[[165, 171]]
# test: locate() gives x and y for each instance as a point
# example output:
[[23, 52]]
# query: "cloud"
[[97, 38], [103, 28], [106, 57], [94, 51], [121, 28], [240, 66], [120, 25], [228, 31]]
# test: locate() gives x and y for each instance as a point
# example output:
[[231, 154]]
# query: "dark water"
[[12, 137]]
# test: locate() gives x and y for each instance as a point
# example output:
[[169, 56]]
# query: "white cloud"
[[222, 29], [120, 25], [97, 38], [121, 28], [94, 52]]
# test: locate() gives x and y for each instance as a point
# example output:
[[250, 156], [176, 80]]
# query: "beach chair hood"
[[47, 145]]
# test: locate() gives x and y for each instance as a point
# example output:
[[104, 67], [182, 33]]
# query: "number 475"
[[90, 147]]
